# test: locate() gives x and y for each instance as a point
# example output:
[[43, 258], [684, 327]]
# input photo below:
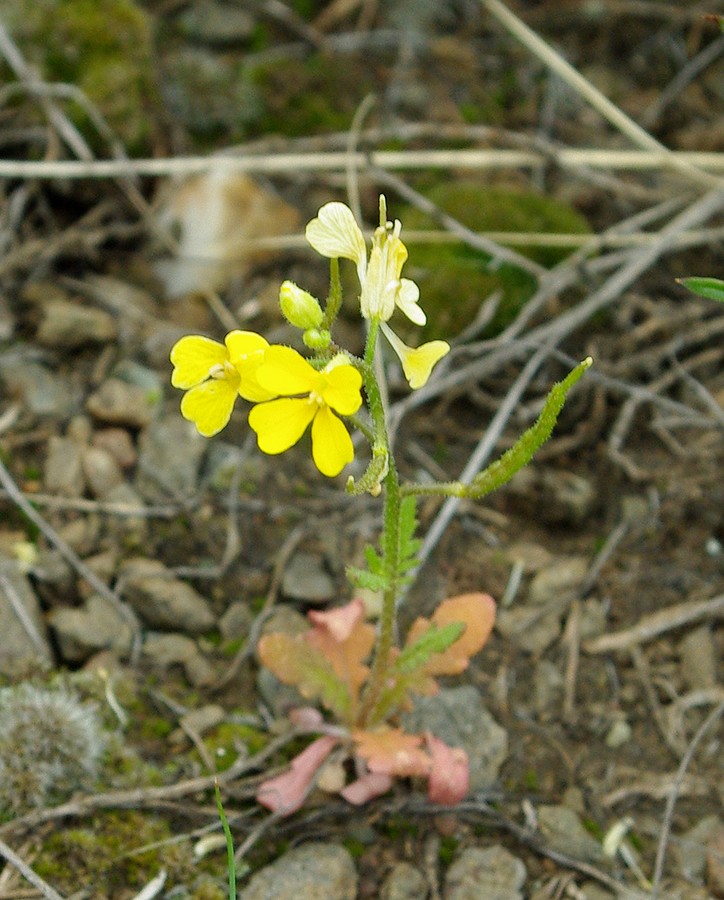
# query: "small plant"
[[709, 288], [352, 668], [50, 744]]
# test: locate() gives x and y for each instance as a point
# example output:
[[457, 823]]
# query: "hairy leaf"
[[521, 453], [434, 640]]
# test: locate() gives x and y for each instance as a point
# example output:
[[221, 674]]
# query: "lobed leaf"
[[391, 751]]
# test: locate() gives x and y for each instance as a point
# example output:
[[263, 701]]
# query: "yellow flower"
[[214, 375], [417, 362], [280, 423]]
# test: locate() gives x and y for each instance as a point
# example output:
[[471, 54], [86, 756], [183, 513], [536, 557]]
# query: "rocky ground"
[[140, 562]]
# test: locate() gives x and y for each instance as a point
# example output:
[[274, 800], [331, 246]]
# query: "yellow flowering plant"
[[355, 670]]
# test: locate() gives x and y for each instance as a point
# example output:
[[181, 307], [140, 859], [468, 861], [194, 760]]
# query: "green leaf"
[[710, 288], [434, 640], [521, 453], [361, 578]]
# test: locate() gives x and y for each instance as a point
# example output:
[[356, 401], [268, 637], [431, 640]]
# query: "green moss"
[[227, 740], [455, 279], [101, 857], [103, 47], [315, 96]]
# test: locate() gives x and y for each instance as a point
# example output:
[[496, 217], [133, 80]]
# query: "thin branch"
[[28, 874]]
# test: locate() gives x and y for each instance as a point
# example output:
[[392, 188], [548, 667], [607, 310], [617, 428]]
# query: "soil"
[[601, 730]]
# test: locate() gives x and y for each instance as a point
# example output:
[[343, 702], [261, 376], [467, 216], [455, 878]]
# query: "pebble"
[[715, 861], [217, 24], [699, 659], [70, 326], [169, 456], [458, 717], [564, 832], [548, 685], [491, 873], [82, 632], [531, 626], [63, 472], [23, 649], [119, 443], [691, 847], [132, 530], [162, 600], [165, 650], [404, 882], [236, 621], [314, 871], [101, 470], [118, 403], [43, 393], [198, 721], [81, 534], [555, 497], [306, 579]]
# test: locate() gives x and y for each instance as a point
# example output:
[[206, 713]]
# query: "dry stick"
[[147, 796], [28, 874], [673, 796], [599, 101], [17, 496], [21, 612], [567, 322], [272, 163], [651, 626]]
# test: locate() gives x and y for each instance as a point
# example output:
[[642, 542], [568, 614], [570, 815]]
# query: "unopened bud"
[[299, 307], [317, 338]]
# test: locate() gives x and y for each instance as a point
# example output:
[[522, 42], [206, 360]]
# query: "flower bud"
[[299, 307], [317, 338]]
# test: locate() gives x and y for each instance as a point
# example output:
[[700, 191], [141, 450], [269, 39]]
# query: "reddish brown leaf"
[[477, 613], [344, 639], [287, 792], [366, 788], [391, 751], [449, 778]]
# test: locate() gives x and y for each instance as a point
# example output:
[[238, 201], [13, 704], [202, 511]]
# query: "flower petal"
[[209, 405], [286, 372], [193, 357], [332, 446], [246, 354], [341, 389], [335, 233], [407, 300], [280, 423], [417, 362]]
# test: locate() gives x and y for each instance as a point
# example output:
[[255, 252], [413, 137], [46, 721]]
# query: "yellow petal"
[[286, 372], [341, 390], [417, 362], [280, 423], [209, 405], [246, 354], [407, 299], [332, 446], [335, 233], [193, 358]]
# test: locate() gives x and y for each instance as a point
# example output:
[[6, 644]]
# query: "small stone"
[[699, 659], [691, 848], [25, 647], [101, 471], [165, 650], [118, 403], [170, 453], [81, 534], [132, 529], [563, 831], [217, 24], [715, 861], [457, 716], [491, 873], [560, 581], [42, 393], [314, 871], [63, 473], [162, 600], [103, 565], [547, 686], [119, 443], [555, 497], [306, 579], [404, 882], [619, 733], [82, 632], [236, 621], [70, 326], [198, 721]]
